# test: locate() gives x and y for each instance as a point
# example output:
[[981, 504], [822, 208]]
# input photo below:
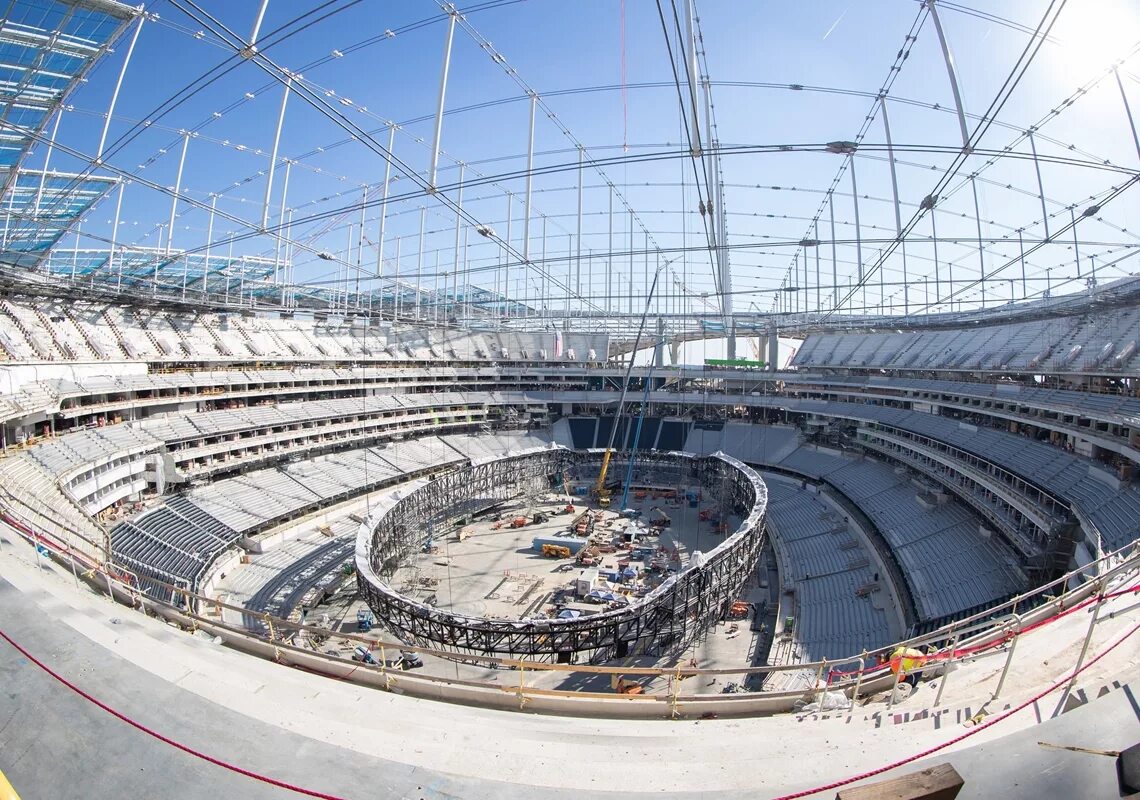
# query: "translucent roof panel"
[[40, 208], [46, 46], [194, 273], [744, 162]]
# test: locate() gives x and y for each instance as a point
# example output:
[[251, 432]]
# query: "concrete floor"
[[336, 737], [496, 572]]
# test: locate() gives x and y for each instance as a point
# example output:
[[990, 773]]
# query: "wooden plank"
[[940, 782]]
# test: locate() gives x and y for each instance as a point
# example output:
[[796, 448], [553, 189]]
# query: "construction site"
[[545, 557], [559, 555]]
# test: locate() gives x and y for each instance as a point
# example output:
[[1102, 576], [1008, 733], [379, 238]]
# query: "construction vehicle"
[[408, 660], [556, 551], [739, 609], [600, 491], [622, 686], [360, 653], [364, 620]]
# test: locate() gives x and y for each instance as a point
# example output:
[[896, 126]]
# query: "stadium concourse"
[[376, 427]]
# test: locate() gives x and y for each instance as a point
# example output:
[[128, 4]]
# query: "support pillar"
[[952, 74], [384, 201], [1040, 185], [118, 86], [177, 192], [529, 185], [442, 97], [273, 154]]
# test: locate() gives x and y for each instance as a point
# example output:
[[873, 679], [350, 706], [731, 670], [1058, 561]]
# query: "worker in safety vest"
[[906, 663]]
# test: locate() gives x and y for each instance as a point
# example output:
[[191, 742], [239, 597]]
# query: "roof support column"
[[118, 86], [1127, 111], [529, 182], [906, 281], [395, 283], [1076, 242], [115, 234], [891, 161], [458, 220], [545, 299], [1021, 250], [384, 200], [1040, 185], [273, 154], [934, 239], [360, 248], [858, 232], [834, 259], [278, 266], [981, 251], [177, 192], [420, 261], [253, 34], [818, 299], [451, 17], [578, 254], [610, 259], [631, 261], [691, 70], [952, 73], [506, 253]]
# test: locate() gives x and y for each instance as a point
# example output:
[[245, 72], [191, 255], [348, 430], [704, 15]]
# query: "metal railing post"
[[859, 680], [946, 671], [1084, 647], [819, 673], [522, 687], [1009, 655]]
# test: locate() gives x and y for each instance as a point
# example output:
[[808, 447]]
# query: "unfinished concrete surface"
[[352, 742]]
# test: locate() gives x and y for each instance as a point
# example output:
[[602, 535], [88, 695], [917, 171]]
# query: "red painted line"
[[166, 739], [324, 796]]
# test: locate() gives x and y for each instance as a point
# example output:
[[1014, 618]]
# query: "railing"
[[663, 693]]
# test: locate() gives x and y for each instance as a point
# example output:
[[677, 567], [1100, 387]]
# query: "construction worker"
[[906, 664]]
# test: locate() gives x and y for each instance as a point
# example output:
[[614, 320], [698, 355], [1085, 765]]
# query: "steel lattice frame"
[[664, 621]]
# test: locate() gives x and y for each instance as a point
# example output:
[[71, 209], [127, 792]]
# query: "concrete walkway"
[[338, 738]]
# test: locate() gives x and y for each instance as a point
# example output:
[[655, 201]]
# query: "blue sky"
[[843, 49]]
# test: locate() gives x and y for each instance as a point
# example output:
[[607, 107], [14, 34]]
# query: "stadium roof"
[[830, 169]]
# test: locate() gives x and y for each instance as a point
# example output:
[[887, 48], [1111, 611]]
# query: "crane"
[[637, 435], [600, 492]]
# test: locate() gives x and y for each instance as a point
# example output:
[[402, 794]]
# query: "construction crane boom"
[[600, 493]]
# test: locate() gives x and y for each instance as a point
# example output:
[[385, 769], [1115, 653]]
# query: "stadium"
[[679, 400]]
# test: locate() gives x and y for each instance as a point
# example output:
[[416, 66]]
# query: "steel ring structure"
[[662, 622]]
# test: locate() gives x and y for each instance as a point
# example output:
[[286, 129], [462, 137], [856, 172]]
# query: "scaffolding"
[[663, 622]]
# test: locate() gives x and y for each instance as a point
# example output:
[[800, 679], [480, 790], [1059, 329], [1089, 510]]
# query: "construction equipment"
[[556, 551], [622, 686], [739, 609], [364, 620], [518, 522], [360, 653], [408, 660], [600, 492]]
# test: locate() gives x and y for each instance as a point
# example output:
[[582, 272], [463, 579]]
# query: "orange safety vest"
[[905, 660]]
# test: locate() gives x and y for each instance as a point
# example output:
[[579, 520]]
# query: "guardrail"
[[664, 692]]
